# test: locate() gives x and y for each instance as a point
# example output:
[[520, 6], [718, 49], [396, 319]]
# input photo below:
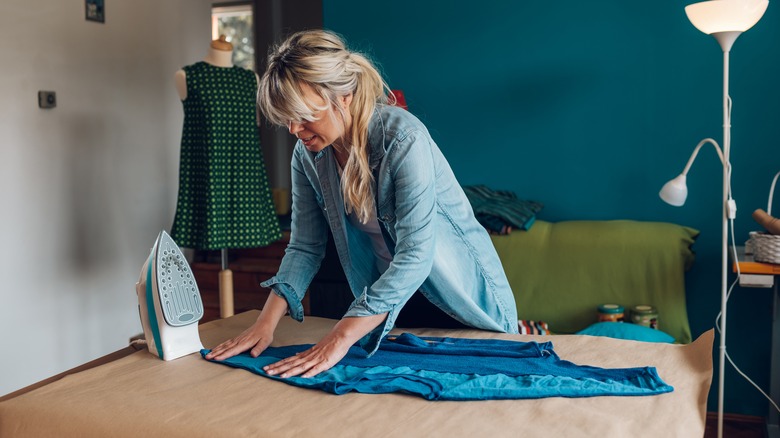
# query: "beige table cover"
[[142, 396]]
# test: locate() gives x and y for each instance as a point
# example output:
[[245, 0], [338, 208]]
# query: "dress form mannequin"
[[219, 54]]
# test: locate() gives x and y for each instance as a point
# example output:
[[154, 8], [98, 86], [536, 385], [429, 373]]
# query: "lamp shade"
[[716, 16], [675, 191]]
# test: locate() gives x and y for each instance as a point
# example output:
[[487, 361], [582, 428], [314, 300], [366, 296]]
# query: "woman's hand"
[[321, 357], [329, 351], [257, 338]]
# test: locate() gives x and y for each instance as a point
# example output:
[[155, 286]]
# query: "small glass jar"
[[611, 313], [645, 315]]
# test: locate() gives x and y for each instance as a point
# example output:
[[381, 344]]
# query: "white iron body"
[[169, 302]]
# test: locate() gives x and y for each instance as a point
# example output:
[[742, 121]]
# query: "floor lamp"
[[725, 20]]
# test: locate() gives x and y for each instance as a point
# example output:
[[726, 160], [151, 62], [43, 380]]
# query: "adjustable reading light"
[[675, 191], [725, 20]]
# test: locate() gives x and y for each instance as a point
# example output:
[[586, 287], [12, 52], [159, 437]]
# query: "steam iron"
[[169, 302]]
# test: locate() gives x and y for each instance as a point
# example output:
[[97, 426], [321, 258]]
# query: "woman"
[[400, 220]]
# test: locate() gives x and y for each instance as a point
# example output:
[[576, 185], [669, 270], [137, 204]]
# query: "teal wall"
[[589, 107]]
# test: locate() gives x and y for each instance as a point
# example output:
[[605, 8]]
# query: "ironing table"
[[137, 394]]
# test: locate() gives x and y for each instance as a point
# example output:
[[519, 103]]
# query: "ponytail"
[[357, 178]]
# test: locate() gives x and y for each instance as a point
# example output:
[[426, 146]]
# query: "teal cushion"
[[625, 330]]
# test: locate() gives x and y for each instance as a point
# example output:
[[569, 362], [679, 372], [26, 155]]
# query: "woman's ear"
[[345, 101]]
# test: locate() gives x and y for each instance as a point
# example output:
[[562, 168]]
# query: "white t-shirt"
[[371, 228]]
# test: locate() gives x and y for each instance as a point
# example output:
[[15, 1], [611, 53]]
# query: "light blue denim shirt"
[[437, 245]]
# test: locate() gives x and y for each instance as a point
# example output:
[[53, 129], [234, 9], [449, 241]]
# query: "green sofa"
[[561, 272]]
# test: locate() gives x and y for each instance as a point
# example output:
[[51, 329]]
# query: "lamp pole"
[[725, 240], [726, 41], [724, 20]]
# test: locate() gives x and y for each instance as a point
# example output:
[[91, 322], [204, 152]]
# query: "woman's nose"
[[294, 127]]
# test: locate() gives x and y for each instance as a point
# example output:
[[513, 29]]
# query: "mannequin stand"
[[226, 302]]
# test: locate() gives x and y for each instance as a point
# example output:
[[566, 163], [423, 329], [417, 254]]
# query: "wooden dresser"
[[250, 267]]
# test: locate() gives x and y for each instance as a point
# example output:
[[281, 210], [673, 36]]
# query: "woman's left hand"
[[321, 357], [329, 351]]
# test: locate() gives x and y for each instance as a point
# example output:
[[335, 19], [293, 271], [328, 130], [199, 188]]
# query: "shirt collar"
[[376, 137]]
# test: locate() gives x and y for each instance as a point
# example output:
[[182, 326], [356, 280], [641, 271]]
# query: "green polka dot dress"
[[224, 199]]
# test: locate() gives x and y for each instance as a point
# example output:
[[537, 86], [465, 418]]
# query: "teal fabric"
[[498, 209], [461, 369], [561, 272], [624, 330]]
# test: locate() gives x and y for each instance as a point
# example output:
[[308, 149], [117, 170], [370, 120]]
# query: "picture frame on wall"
[[95, 10]]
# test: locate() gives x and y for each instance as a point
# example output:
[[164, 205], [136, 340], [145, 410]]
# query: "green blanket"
[[561, 272]]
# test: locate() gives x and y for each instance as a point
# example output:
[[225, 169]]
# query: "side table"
[[759, 274]]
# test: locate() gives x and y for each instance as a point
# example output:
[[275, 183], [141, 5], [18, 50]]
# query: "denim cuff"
[[287, 292], [360, 307]]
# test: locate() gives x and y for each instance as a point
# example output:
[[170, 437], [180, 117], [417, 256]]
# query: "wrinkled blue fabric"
[[461, 369]]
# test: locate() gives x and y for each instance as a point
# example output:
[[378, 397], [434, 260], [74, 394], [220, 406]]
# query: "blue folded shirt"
[[461, 369]]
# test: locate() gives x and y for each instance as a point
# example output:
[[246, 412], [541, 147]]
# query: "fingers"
[[220, 349], [238, 345], [257, 349], [226, 349], [257, 338], [306, 364]]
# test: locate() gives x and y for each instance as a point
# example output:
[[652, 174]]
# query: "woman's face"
[[327, 129]]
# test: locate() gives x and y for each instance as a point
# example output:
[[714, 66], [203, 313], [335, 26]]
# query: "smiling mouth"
[[308, 139]]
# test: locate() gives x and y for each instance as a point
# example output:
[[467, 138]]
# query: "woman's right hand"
[[256, 339]]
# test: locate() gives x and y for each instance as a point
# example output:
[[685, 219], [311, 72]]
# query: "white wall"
[[84, 187]]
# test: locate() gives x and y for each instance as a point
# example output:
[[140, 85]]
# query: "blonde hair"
[[321, 60]]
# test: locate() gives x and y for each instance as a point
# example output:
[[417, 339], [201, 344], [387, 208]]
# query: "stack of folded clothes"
[[501, 211]]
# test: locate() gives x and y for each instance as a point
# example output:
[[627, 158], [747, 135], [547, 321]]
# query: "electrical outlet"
[[47, 99]]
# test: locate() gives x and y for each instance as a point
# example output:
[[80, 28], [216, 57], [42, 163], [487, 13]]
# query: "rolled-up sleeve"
[[308, 237]]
